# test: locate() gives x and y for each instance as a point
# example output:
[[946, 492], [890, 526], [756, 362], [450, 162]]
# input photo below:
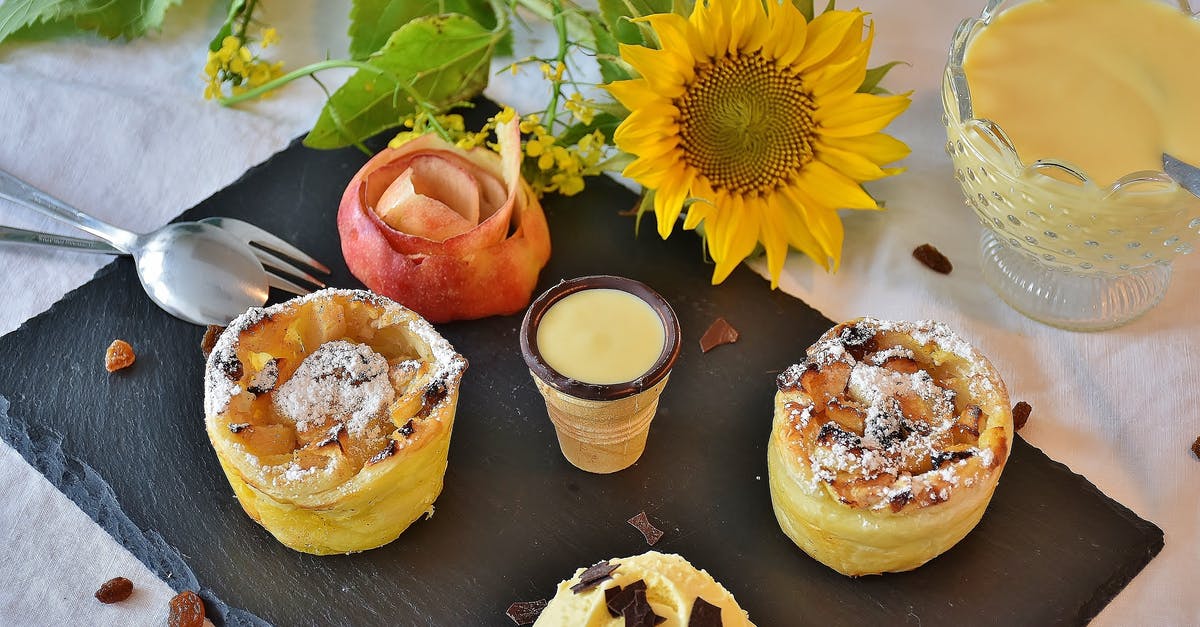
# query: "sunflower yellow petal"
[[668, 204], [710, 20], [852, 164], [878, 147], [832, 188], [826, 34], [663, 70], [772, 233], [859, 114], [843, 78], [634, 94], [648, 171], [799, 235], [732, 233], [677, 35], [748, 26]]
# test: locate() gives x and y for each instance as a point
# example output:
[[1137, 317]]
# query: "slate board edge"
[[41, 447], [1109, 591]]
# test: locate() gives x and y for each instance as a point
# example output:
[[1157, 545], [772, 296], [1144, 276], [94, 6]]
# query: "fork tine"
[[272, 262], [279, 282], [265, 239]]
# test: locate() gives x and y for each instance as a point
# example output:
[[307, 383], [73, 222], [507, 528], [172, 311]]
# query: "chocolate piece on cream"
[[591, 577], [704, 614]]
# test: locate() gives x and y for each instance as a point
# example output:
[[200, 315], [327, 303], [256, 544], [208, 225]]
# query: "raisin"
[[1196, 447], [119, 355], [114, 590], [187, 610], [1020, 413], [933, 259]]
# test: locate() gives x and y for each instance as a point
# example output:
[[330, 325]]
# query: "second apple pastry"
[[887, 443]]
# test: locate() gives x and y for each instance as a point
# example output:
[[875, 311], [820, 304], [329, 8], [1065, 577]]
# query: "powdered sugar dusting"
[[892, 434], [340, 382]]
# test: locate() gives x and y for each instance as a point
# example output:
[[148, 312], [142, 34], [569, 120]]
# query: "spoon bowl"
[[199, 273]]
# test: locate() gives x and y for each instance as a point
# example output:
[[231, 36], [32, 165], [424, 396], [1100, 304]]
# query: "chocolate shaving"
[[407, 429], [209, 341], [238, 427], [718, 333], [593, 576], [1020, 414], [525, 612], [618, 598], [387, 452], [642, 523], [704, 614], [1196, 448], [639, 613], [933, 259]]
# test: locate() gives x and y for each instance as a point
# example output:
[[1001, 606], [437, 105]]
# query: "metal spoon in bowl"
[[194, 271], [1186, 175]]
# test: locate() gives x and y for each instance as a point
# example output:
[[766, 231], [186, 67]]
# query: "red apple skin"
[[489, 270]]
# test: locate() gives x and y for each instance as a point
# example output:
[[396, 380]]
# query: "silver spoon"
[[1186, 175], [194, 271]]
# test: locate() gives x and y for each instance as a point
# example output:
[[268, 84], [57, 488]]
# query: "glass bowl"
[[1056, 246]]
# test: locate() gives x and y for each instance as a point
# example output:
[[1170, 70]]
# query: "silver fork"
[[280, 273]]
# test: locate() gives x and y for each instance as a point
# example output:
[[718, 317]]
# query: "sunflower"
[[751, 116]]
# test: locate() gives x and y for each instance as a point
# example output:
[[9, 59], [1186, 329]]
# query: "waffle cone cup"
[[601, 428], [601, 436]]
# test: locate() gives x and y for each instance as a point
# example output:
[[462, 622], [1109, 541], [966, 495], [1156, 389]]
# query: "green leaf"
[[870, 84], [372, 22], [441, 59], [806, 7], [235, 10], [617, 14], [110, 18]]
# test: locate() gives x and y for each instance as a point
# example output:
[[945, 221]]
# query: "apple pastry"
[[887, 444], [331, 417]]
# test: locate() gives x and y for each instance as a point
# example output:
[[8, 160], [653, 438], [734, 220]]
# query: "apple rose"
[[452, 234]]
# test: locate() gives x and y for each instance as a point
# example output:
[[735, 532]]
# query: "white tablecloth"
[[121, 130]]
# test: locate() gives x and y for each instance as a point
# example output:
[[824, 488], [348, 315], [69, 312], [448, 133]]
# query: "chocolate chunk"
[[1020, 413], [407, 429], [238, 427], [933, 259], [525, 612], [433, 395], [704, 614], [387, 452], [1196, 448], [642, 523], [114, 590], [898, 501], [718, 333], [790, 379], [831, 433], [944, 457], [617, 598], [593, 576], [639, 613], [211, 334]]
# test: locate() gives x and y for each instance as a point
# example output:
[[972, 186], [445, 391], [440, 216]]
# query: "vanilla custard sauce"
[[1106, 85], [601, 336]]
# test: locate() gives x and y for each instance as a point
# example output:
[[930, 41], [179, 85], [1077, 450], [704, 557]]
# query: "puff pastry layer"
[[331, 416], [887, 444]]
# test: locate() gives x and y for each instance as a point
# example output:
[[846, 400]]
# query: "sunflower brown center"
[[745, 124]]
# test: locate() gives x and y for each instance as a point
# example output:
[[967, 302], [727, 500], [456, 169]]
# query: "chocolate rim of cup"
[[595, 391]]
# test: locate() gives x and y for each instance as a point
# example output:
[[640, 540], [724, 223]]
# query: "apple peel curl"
[[452, 234]]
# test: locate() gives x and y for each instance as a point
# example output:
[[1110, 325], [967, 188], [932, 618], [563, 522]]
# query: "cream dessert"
[[1106, 86], [601, 336], [648, 589]]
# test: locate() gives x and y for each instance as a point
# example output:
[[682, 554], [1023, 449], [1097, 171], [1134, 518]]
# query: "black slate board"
[[515, 518]]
